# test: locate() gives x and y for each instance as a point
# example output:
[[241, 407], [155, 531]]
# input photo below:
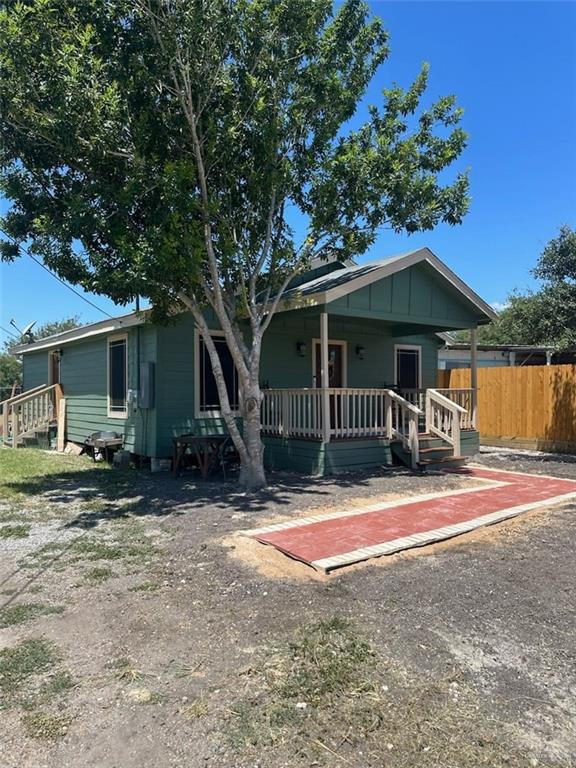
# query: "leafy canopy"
[[138, 134], [546, 317]]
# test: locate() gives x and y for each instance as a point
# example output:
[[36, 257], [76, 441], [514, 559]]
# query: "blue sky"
[[513, 67]]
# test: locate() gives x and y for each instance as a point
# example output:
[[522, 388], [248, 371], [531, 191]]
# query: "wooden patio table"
[[206, 447]]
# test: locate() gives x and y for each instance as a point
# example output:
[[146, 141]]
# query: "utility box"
[[146, 392]]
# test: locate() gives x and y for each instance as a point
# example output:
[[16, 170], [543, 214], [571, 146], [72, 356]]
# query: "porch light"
[[301, 348], [360, 351]]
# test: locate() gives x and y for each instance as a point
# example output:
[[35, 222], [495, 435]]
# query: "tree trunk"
[[252, 475]]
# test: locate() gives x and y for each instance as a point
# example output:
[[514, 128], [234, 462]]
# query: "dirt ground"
[[138, 629]]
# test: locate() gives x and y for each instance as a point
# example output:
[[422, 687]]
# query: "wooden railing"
[[443, 418], [29, 412], [464, 398], [351, 413]]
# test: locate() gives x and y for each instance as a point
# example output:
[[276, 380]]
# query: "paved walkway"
[[341, 538]]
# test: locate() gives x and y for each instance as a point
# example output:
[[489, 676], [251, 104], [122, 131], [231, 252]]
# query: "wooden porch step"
[[443, 463]]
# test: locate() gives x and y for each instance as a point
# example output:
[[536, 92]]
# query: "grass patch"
[[196, 710], [29, 471], [31, 657], [326, 698], [146, 586], [125, 669], [20, 531], [41, 725], [99, 574], [21, 612]]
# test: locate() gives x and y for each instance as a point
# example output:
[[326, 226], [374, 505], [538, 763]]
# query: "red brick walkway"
[[330, 541]]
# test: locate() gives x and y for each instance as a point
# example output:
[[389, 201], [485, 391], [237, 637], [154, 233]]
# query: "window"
[[117, 377], [206, 392]]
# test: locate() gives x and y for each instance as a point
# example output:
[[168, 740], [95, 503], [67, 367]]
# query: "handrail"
[[402, 401], [443, 418], [14, 399], [30, 411], [447, 402]]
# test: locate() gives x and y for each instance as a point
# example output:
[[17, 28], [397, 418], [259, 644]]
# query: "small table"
[[206, 447]]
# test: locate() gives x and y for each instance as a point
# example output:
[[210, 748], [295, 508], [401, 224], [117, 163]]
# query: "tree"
[[546, 317], [162, 148], [11, 366]]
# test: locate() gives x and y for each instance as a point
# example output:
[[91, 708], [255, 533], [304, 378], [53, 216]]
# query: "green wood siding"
[[282, 366], [34, 369], [415, 295], [175, 389], [83, 374]]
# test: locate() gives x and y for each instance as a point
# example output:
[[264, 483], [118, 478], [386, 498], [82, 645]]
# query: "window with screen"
[[117, 377], [208, 400]]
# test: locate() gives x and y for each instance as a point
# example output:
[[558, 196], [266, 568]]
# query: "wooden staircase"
[[433, 453], [29, 415], [439, 446]]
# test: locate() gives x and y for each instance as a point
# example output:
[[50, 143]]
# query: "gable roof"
[[114, 324], [334, 285], [320, 290]]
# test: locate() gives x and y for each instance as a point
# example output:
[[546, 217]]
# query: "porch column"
[[474, 375], [324, 378]]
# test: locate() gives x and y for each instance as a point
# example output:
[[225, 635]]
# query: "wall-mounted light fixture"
[[360, 351], [301, 348]]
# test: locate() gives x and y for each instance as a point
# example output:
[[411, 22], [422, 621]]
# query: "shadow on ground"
[[116, 494]]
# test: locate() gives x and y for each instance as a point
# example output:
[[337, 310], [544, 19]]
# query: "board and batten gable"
[[415, 295]]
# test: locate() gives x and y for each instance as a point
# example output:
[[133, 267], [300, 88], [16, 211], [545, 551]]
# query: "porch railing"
[[462, 397], [443, 418], [351, 413], [29, 412]]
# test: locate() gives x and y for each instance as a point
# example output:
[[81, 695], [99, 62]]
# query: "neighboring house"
[[350, 352], [454, 354]]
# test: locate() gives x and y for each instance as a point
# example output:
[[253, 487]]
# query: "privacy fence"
[[532, 406]]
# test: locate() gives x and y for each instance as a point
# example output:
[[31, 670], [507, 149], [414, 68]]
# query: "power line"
[[26, 252], [8, 332]]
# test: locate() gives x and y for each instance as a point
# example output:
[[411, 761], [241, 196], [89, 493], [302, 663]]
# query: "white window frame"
[[117, 337], [214, 413], [334, 342], [409, 347]]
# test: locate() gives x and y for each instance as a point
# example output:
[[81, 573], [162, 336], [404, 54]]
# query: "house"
[[348, 371], [454, 354]]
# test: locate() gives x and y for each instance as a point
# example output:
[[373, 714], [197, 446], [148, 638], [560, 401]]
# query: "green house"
[[348, 371]]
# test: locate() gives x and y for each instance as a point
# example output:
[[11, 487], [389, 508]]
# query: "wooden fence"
[[531, 406]]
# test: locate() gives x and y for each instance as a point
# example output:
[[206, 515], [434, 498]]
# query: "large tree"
[[162, 148], [546, 317]]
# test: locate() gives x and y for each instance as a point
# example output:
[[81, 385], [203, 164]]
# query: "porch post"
[[474, 375], [324, 378]]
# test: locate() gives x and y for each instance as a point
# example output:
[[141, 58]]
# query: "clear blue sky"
[[513, 67]]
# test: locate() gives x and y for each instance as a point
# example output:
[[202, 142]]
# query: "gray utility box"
[[146, 392]]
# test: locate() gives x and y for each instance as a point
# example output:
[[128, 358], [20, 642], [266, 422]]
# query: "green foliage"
[[162, 149], [10, 374], [546, 317], [101, 104]]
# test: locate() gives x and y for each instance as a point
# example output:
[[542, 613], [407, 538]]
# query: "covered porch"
[[420, 421], [369, 336]]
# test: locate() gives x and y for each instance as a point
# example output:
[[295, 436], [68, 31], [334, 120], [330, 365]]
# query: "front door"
[[54, 371], [408, 367], [335, 365]]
